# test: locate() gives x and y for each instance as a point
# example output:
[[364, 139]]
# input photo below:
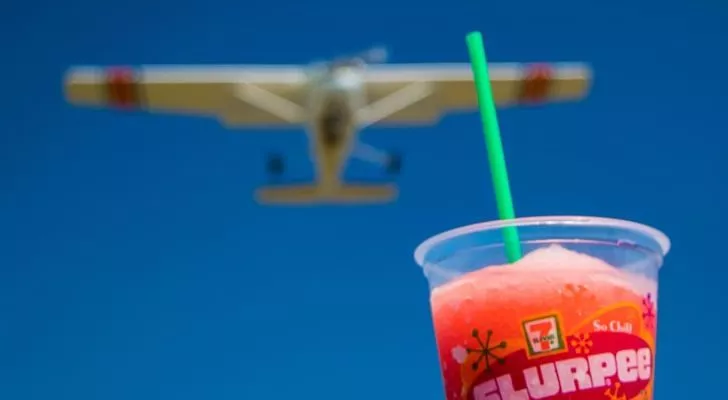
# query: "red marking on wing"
[[536, 84], [122, 88]]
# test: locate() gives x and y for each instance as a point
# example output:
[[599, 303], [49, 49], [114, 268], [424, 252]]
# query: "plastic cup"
[[575, 318]]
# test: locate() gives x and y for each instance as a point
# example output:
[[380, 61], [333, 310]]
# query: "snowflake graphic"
[[648, 311], [582, 343], [614, 394], [485, 351], [578, 293]]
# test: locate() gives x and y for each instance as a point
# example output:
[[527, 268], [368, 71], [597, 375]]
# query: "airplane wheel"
[[394, 164], [275, 164]]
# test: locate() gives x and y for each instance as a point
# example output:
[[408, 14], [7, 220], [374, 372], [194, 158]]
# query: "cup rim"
[[575, 220]]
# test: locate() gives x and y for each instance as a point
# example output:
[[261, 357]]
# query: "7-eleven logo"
[[544, 335]]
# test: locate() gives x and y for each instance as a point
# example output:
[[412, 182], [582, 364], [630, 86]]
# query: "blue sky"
[[135, 265]]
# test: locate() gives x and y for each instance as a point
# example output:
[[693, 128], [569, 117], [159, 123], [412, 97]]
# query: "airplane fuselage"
[[334, 99]]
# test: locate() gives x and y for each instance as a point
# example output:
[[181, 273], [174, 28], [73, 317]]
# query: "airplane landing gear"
[[390, 162], [275, 165]]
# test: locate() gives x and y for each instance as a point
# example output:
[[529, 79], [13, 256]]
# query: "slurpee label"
[[567, 333]]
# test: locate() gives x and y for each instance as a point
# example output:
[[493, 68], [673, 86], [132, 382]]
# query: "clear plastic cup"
[[575, 318]]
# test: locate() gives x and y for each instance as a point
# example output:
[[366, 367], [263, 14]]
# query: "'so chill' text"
[[612, 326]]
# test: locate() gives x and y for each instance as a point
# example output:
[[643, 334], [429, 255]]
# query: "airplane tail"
[[312, 194]]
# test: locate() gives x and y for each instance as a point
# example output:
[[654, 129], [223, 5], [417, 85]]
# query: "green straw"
[[493, 143]]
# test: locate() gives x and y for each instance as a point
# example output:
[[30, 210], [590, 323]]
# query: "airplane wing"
[[237, 95], [453, 88]]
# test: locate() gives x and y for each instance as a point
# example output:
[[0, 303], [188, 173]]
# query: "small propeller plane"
[[334, 100]]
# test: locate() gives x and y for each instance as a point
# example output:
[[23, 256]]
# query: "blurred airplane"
[[334, 100]]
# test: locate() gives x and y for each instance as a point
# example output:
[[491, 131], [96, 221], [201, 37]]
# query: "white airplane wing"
[[237, 95], [452, 87]]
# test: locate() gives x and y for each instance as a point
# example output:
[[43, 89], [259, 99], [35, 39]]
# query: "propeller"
[[375, 55]]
